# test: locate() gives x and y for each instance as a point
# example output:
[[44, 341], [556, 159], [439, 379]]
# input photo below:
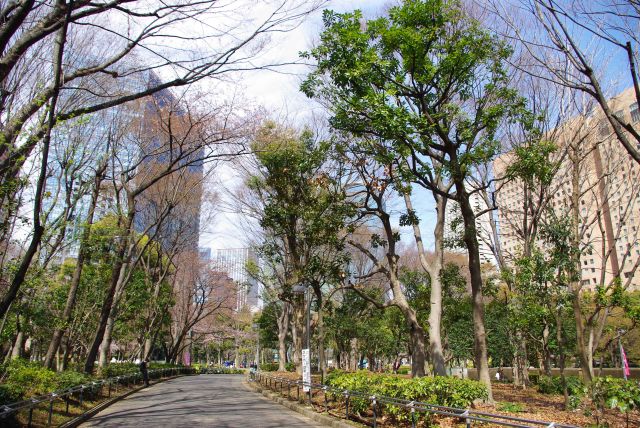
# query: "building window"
[[635, 113], [603, 129]]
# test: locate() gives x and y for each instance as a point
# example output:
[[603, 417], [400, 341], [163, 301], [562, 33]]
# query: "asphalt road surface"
[[203, 400]]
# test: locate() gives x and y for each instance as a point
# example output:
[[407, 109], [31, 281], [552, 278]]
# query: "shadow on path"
[[203, 400]]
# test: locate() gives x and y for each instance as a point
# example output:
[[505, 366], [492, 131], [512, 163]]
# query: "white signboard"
[[306, 370]]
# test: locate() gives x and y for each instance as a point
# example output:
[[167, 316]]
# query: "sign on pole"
[[306, 370]]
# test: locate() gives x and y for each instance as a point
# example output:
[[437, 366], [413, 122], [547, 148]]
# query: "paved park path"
[[198, 401]]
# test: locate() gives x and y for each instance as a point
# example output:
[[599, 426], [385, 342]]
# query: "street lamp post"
[[305, 290]]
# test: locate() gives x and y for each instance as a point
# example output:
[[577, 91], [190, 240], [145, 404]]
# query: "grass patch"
[[511, 407]]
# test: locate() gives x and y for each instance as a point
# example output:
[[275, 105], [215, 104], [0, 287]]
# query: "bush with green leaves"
[[553, 385], [221, 370], [439, 390], [22, 379], [269, 367], [273, 367], [128, 368], [613, 393]]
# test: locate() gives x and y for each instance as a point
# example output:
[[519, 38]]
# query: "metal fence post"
[[346, 395], [30, 416], [50, 409], [373, 407], [413, 415], [326, 402], [467, 420]]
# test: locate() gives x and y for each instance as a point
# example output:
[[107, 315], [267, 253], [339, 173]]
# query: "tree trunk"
[[546, 352], [18, 345], [473, 250], [297, 332], [283, 328], [353, 355], [584, 353], [116, 278], [561, 351], [77, 273], [322, 358], [418, 355], [433, 269], [38, 229], [104, 314]]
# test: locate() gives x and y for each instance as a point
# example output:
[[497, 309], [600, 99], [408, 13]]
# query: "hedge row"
[[443, 391], [273, 367], [22, 379]]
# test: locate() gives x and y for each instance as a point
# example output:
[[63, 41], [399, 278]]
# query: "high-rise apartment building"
[[454, 228], [599, 182]]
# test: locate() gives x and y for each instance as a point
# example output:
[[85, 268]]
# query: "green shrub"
[[221, 370], [608, 392], [439, 390], [8, 394], [127, 368], [119, 369], [24, 379], [269, 367], [273, 367], [403, 370], [69, 378], [553, 385], [511, 407]]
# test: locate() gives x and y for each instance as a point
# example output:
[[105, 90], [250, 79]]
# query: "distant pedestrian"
[[144, 371]]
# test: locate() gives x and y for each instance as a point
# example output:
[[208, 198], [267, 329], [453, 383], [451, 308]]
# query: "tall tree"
[[303, 215], [432, 81], [92, 76]]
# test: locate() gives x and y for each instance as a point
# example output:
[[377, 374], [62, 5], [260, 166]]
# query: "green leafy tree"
[[303, 213], [433, 82]]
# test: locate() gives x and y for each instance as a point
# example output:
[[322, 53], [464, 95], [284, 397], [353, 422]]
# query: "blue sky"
[[279, 94]]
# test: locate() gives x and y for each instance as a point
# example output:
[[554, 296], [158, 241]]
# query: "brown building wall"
[[609, 196]]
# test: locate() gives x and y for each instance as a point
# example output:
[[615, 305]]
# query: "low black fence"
[[415, 409], [80, 393]]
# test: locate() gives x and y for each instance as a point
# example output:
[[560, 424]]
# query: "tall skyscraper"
[[234, 263]]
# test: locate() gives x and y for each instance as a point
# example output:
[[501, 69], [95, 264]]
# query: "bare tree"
[[92, 77], [567, 44], [170, 140]]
